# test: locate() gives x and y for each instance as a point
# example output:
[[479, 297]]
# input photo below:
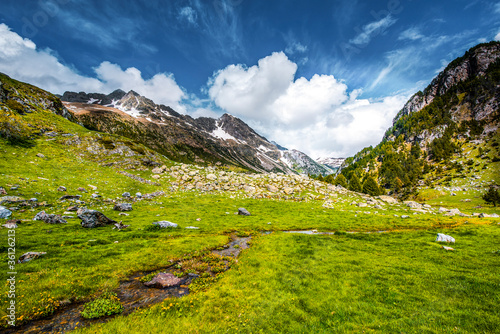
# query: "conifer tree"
[[492, 196], [340, 180], [371, 187], [354, 184]]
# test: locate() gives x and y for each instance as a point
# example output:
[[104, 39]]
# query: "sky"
[[323, 77]]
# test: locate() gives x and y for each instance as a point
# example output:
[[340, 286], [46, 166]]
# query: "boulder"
[[138, 195], [211, 177], [157, 170], [70, 197], [11, 200], [271, 188], [447, 248], [362, 205], [165, 224], [123, 207], [11, 223], [2, 191], [26, 257], [444, 238], [73, 208], [413, 205], [163, 280], [40, 155], [126, 194], [388, 199], [83, 190], [93, 218], [443, 210], [61, 188], [288, 191], [120, 226], [4, 213], [243, 212], [50, 218]]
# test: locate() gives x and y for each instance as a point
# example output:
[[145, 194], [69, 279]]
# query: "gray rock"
[[70, 197], [243, 212], [2, 191], [61, 188], [11, 200], [50, 218], [33, 200], [165, 224], [388, 199], [362, 205], [163, 280], [192, 228], [123, 207], [138, 195], [93, 218], [26, 257], [96, 195], [413, 205], [126, 194], [83, 190], [444, 238], [40, 155], [120, 226], [4, 213], [404, 216]]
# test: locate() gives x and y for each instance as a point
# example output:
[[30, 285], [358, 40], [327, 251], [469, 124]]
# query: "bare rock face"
[[163, 280], [93, 218]]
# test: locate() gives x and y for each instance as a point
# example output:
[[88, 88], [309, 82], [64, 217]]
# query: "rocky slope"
[[227, 140], [331, 163], [449, 131]]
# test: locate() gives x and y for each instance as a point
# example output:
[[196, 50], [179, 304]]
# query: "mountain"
[[443, 137], [226, 140], [331, 163]]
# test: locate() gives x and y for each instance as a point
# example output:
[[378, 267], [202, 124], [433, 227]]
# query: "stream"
[[133, 294]]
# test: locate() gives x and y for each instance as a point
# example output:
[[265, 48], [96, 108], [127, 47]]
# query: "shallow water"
[[132, 293]]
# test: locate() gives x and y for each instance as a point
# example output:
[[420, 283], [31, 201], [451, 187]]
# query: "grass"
[[394, 282], [389, 282]]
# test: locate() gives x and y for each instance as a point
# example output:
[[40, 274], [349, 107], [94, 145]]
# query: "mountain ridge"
[[226, 140]]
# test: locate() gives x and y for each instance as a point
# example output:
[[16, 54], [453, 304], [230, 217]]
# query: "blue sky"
[[325, 77]]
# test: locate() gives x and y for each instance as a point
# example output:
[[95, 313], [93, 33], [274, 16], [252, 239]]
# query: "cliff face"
[[473, 64], [433, 135]]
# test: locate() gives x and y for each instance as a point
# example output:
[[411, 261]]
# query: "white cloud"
[[246, 91], [188, 14], [317, 116], [497, 8], [373, 29], [411, 34], [497, 37], [21, 59], [161, 88]]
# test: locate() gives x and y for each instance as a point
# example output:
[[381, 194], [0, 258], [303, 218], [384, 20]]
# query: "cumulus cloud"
[[373, 29], [497, 37], [20, 59], [246, 91], [317, 116]]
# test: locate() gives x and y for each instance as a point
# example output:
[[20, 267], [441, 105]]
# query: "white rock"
[[444, 238]]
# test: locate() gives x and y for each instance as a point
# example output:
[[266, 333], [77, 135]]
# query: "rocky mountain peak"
[[473, 64]]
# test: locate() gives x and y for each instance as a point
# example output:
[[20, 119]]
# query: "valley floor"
[[397, 281]]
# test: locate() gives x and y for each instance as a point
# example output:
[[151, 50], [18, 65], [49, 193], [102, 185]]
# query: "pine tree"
[[340, 180], [354, 184], [492, 196], [329, 179], [320, 178], [371, 187]]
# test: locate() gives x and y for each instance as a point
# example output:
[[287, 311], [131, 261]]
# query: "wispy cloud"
[[188, 14], [411, 34], [497, 8], [373, 29]]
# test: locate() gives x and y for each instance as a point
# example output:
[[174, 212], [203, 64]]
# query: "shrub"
[[107, 304]]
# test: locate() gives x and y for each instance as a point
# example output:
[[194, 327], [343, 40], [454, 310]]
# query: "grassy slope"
[[290, 283]]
